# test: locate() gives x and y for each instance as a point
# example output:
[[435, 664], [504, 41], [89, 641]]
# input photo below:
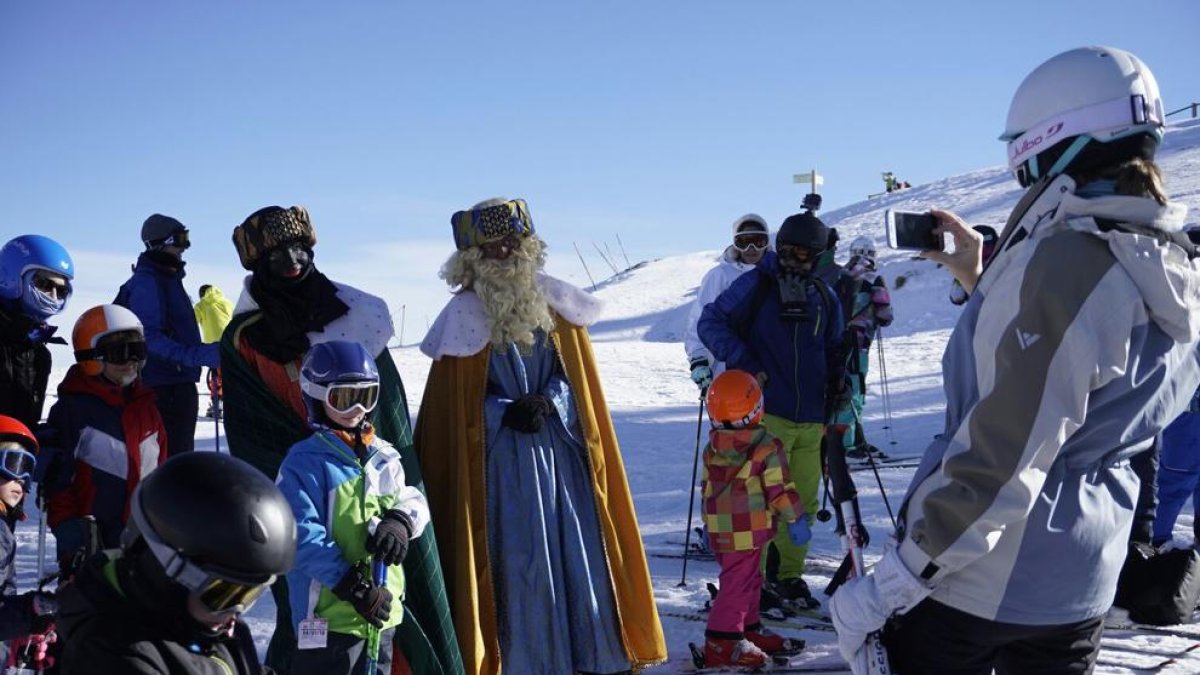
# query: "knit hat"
[[751, 222], [491, 220], [158, 227], [270, 227], [803, 229]]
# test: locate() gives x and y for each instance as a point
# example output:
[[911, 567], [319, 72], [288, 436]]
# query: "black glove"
[[373, 603], [527, 414], [390, 541], [839, 394]]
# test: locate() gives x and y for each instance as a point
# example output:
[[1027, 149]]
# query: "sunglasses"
[[52, 284], [120, 353], [345, 398], [500, 248], [747, 242], [17, 464]]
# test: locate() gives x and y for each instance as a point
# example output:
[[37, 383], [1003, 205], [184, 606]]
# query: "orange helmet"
[[17, 464], [735, 400], [94, 324]]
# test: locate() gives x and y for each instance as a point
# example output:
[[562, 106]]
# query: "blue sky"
[[659, 121]]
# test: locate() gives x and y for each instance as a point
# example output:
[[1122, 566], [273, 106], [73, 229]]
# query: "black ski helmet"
[[803, 229], [217, 513]]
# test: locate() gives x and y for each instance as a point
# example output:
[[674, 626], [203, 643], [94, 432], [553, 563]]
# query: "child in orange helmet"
[[103, 435], [19, 614], [747, 484]]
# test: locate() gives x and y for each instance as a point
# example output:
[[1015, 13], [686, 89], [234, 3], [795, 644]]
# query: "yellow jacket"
[[213, 313], [449, 443]]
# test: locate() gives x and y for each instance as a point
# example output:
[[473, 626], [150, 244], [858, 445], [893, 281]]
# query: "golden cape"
[[449, 442]]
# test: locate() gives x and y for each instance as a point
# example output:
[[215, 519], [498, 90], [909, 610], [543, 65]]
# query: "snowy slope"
[[655, 406]]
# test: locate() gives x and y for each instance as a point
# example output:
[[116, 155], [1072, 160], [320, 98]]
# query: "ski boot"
[[794, 593], [772, 643], [728, 653]]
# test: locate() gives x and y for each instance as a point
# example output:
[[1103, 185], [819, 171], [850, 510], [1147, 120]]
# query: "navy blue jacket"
[[793, 354], [157, 296]]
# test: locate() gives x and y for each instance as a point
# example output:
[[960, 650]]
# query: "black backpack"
[[1159, 588]]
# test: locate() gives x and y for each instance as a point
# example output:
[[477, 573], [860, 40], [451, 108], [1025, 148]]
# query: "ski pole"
[[878, 480], [41, 542], [687, 538], [379, 575], [886, 390]]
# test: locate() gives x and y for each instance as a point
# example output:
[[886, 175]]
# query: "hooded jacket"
[[747, 484], [156, 295], [1055, 375], [714, 283], [213, 313], [24, 367]]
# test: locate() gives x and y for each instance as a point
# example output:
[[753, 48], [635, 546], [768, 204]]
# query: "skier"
[[747, 487], [1179, 474], [751, 241], [868, 306], [1055, 375], [524, 476], [31, 611], [352, 506], [783, 324], [286, 306], [959, 296], [35, 284], [104, 433], [213, 313], [207, 534], [156, 295]]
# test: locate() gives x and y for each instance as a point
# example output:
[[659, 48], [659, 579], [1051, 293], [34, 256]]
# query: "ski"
[[1183, 630], [793, 623], [1148, 661], [780, 663], [889, 463]]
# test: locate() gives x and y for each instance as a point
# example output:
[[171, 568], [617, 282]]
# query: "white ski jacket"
[[714, 283], [1074, 351]]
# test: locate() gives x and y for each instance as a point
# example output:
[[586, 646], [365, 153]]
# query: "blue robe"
[[554, 600]]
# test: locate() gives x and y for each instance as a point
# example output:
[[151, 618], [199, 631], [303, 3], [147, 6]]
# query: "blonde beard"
[[515, 305]]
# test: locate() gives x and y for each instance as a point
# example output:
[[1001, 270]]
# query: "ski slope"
[[655, 406]]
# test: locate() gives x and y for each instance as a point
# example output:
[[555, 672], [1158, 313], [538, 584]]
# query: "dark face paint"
[[289, 262]]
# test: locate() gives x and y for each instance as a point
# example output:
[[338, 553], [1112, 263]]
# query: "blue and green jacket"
[[338, 501]]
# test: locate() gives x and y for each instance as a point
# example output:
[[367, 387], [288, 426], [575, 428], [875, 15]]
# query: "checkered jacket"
[[746, 483]]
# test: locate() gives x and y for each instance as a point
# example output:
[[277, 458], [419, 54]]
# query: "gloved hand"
[[42, 603], [799, 531], [373, 603], [862, 605], [840, 394], [527, 414], [702, 373], [389, 543]]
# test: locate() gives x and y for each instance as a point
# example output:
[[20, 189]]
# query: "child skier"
[[868, 307], [352, 507], [746, 484], [103, 436]]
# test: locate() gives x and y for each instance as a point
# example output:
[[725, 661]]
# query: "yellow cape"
[[449, 442]]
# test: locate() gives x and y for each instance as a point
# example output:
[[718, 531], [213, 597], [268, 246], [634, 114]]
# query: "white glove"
[[862, 605]]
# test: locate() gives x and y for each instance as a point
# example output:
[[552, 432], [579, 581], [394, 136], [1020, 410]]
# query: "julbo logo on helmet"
[[1028, 144]]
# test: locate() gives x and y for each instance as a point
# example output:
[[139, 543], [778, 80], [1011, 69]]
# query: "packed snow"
[[656, 408]]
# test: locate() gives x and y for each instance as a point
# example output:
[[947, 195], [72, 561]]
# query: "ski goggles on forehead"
[[217, 592], [17, 464], [51, 284], [756, 241], [345, 397]]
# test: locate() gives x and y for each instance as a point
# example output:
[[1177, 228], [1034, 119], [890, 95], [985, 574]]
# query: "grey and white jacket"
[[1077, 347], [714, 283]]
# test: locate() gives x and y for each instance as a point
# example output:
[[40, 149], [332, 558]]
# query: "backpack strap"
[[1180, 238]]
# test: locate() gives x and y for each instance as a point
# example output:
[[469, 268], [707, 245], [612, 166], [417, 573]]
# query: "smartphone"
[[912, 231]]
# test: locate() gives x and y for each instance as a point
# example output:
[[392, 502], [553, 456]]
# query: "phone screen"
[[914, 231]]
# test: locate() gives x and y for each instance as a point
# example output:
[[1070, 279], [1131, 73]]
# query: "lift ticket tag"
[[313, 634]]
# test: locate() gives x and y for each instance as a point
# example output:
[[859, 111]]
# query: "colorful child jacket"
[[337, 502], [746, 482]]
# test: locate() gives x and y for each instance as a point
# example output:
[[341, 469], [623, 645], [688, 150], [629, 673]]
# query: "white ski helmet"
[[1083, 108], [863, 246]]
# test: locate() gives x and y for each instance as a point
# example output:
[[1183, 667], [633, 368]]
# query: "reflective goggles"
[[17, 463], [217, 592], [178, 238], [51, 284], [345, 397], [755, 241], [116, 353], [800, 254]]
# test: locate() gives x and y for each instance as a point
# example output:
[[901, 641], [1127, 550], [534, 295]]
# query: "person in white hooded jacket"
[[1077, 346], [751, 241]]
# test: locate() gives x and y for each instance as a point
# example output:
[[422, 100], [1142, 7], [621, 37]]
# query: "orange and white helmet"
[[96, 323], [735, 400]]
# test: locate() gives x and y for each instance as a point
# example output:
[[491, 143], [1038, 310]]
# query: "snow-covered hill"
[[656, 407]]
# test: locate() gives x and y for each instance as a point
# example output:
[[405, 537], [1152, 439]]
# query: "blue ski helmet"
[[27, 252], [333, 363]]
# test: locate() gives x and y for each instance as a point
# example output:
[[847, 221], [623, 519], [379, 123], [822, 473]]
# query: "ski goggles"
[[752, 241], [51, 284], [800, 254], [116, 353], [216, 591], [345, 397], [17, 463]]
